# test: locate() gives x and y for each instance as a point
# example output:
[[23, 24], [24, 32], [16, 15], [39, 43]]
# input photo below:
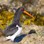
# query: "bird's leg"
[[15, 34]]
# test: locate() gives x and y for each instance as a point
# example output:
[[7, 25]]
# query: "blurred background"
[[34, 7]]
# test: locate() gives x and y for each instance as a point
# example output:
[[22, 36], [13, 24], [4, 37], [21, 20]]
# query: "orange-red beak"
[[28, 13]]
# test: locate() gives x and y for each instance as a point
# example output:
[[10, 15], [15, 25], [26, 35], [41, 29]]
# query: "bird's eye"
[[22, 9]]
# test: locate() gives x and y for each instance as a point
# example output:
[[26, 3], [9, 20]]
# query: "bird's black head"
[[21, 9]]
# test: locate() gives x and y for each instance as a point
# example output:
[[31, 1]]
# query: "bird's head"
[[21, 9]]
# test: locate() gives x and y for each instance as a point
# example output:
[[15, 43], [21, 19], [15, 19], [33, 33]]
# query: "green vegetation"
[[39, 19], [5, 19]]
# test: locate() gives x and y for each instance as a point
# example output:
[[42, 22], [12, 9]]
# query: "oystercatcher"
[[15, 28]]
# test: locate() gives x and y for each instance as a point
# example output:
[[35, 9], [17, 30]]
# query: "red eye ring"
[[22, 9]]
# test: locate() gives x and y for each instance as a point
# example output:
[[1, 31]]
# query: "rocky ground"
[[38, 37], [33, 39]]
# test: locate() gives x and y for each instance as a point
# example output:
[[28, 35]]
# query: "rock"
[[6, 2], [32, 39]]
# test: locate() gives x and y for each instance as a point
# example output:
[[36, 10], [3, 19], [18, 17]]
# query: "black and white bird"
[[15, 28]]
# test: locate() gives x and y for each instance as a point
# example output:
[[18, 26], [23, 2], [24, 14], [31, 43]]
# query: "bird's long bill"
[[28, 14]]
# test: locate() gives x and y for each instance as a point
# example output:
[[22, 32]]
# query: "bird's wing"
[[10, 30]]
